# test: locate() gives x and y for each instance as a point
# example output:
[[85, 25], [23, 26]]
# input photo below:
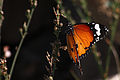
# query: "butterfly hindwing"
[[71, 46]]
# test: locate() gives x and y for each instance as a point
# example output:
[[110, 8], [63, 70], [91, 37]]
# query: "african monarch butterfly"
[[80, 38]]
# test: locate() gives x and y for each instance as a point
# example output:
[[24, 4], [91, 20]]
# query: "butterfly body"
[[80, 38]]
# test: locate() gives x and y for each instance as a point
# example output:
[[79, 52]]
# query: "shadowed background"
[[32, 60]]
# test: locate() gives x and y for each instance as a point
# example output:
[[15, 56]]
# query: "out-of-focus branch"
[[29, 16], [116, 56], [1, 16]]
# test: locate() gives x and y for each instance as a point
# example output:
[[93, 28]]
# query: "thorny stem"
[[22, 40]]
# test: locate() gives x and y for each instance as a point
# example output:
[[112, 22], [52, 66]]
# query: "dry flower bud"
[[63, 15], [58, 7], [5, 60], [61, 24], [25, 26], [35, 4], [4, 73], [55, 28], [28, 10], [5, 68], [50, 77], [48, 54], [21, 30], [7, 54], [2, 61], [1, 12], [6, 48]]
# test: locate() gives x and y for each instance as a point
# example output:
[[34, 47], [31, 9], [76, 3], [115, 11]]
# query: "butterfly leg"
[[80, 67]]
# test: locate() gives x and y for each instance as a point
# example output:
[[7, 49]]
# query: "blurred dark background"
[[32, 60]]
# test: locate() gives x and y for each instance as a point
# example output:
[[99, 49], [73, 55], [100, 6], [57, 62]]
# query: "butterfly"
[[80, 38]]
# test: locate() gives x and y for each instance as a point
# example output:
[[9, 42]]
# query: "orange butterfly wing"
[[81, 36], [71, 46]]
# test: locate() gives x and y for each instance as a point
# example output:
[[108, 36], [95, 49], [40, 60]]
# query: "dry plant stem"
[[1, 15], [97, 58], [74, 75], [1, 5], [21, 42], [116, 58], [116, 4], [1, 19], [114, 25], [115, 55], [16, 55], [84, 6], [57, 14], [6, 75]]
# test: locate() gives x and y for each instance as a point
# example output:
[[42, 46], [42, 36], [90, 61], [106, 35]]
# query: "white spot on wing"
[[97, 27], [97, 39], [107, 30], [94, 34]]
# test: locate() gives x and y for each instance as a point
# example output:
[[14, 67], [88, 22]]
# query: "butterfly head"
[[69, 28]]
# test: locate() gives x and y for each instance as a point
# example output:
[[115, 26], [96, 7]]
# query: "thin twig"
[[1, 6], [21, 42], [74, 75], [16, 55], [1, 16], [115, 55], [97, 58], [114, 27], [1, 20], [56, 43]]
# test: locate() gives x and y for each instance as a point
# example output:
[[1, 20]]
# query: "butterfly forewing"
[[83, 37]]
